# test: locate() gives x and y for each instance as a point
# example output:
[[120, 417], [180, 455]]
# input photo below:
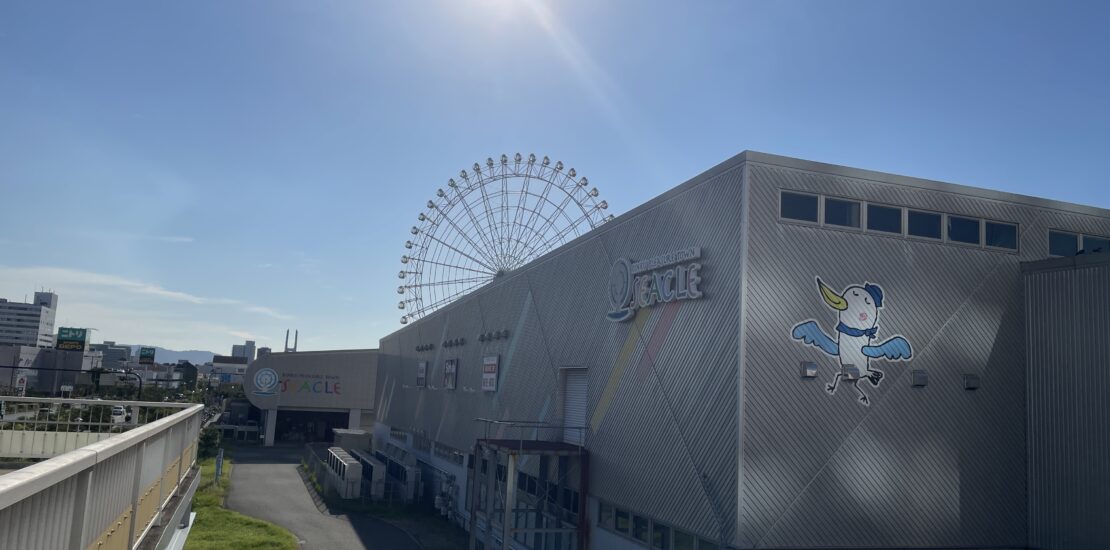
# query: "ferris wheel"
[[491, 221]]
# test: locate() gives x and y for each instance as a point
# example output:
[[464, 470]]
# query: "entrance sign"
[[489, 372], [450, 373], [422, 374], [645, 283]]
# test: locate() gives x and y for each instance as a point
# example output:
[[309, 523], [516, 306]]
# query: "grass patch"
[[217, 528]]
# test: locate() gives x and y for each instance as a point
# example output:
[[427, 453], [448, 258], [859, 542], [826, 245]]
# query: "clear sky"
[[190, 174]]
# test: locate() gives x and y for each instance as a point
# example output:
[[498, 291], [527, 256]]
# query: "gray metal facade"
[[1067, 325], [698, 415]]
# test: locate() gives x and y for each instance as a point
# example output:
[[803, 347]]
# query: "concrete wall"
[[1068, 367]]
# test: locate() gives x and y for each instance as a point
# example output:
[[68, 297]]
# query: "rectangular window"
[[798, 207], [683, 541], [1095, 244], [640, 528], [924, 224], [1002, 235], [963, 230], [660, 537], [620, 520], [884, 218], [1062, 244], [605, 516], [842, 213]]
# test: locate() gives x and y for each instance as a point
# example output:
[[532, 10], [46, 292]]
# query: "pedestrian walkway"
[[265, 484]]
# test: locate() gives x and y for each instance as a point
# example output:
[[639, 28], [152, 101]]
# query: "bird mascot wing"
[[809, 333], [895, 349]]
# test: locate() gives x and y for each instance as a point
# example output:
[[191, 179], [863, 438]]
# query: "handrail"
[[105, 402], [535, 425], [20, 484]]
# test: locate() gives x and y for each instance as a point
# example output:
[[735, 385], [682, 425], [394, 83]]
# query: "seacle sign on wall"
[[268, 382], [325, 381], [661, 279]]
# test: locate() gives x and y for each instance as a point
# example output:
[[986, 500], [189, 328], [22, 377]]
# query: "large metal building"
[[775, 354]]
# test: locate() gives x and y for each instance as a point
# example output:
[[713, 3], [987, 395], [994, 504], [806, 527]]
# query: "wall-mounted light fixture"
[[454, 342], [495, 335]]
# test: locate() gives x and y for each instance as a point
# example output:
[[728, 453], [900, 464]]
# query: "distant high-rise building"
[[114, 357], [244, 350], [263, 351], [30, 324]]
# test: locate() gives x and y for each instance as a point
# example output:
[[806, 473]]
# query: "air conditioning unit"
[[373, 472]]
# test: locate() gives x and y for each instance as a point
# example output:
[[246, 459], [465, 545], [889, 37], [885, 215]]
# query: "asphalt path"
[[265, 484]]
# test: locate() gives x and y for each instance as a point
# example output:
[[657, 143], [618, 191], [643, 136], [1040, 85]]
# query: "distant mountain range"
[[163, 355]]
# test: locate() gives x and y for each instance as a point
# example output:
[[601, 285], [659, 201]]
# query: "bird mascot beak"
[[834, 300]]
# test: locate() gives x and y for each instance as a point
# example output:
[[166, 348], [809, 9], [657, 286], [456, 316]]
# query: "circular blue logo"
[[266, 382], [620, 290]]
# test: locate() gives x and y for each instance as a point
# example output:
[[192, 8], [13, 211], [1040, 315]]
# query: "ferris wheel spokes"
[[492, 221]]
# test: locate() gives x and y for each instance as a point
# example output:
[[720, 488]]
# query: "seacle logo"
[[666, 278], [620, 290], [266, 382]]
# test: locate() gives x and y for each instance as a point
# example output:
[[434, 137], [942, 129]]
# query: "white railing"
[[37, 427], [103, 496]]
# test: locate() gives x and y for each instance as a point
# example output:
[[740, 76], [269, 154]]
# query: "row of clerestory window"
[[1065, 243], [891, 220]]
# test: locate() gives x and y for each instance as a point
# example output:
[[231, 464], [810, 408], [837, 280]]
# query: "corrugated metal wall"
[[1068, 341], [933, 466], [661, 388], [921, 466]]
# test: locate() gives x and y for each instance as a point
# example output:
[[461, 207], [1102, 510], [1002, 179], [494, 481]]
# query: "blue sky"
[[190, 174]]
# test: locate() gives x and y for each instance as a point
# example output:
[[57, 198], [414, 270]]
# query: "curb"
[[312, 493]]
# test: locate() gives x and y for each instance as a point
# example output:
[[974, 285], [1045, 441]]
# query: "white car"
[[119, 414]]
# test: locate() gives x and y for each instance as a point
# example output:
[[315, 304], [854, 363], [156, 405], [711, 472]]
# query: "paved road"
[[265, 484]]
